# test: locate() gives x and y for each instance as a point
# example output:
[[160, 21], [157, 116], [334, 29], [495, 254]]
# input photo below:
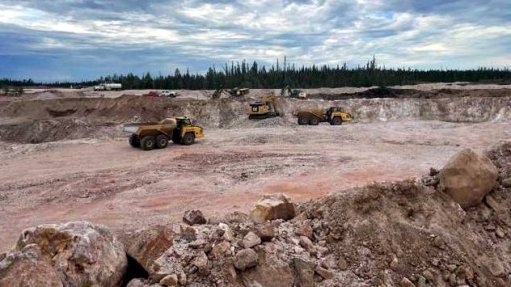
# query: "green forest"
[[243, 74]]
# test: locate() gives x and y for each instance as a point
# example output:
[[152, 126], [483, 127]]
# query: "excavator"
[[234, 92], [264, 108], [293, 93]]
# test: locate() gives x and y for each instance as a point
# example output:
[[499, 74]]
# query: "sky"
[[73, 40]]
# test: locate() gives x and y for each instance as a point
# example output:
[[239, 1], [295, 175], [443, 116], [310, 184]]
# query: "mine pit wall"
[[52, 120], [462, 109]]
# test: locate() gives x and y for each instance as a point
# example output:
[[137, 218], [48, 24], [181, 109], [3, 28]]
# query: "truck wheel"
[[162, 141], [147, 143], [302, 121], [336, 121], [188, 139], [134, 140], [313, 121]]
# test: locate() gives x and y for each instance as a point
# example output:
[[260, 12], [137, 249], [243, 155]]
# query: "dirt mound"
[[71, 118]]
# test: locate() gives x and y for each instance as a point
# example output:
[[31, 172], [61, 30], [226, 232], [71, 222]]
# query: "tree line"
[[243, 74]]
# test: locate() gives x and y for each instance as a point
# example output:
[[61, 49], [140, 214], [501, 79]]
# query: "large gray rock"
[[194, 217], [273, 206], [245, 258], [468, 177], [81, 253], [250, 240]]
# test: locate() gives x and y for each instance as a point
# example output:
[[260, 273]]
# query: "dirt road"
[[108, 182]]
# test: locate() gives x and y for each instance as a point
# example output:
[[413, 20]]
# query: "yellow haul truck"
[[333, 115], [157, 135]]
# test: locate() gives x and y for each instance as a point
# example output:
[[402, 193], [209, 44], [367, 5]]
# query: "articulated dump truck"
[[333, 115], [149, 136]]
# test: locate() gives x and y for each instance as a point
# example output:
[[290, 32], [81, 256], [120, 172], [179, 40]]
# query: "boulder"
[[245, 259], [170, 280], [271, 207], [468, 177], [192, 217], [220, 249], [265, 231], [228, 234], [148, 244], [270, 271], [250, 240], [80, 253], [27, 268]]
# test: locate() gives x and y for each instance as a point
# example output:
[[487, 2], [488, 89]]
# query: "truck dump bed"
[[311, 113], [135, 128]]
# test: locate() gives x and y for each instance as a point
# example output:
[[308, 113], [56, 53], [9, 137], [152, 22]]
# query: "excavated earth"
[[64, 157]]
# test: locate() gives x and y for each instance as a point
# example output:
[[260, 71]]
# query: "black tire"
[[313, 121], [336, 121], [148, 143], [302, 121], [188, 139], [162, 141], [134, 141]]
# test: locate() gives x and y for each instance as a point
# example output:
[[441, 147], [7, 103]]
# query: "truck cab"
[[186, 131]]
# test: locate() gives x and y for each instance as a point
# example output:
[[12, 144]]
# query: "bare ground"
[[106, 181]]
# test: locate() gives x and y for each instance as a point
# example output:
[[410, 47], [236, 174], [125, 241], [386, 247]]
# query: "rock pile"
[[410, 233]]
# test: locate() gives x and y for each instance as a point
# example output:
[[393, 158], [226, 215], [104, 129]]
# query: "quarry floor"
[[106, 181]]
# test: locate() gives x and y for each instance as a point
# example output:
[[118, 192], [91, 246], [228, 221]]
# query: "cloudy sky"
[[50, 40]]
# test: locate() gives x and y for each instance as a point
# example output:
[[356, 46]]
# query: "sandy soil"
[[108, 182]]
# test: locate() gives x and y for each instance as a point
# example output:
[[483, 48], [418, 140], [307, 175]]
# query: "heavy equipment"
[[333, 115], [238, 92], [266, 107], [234, 92], [293, 93], [148, 136]]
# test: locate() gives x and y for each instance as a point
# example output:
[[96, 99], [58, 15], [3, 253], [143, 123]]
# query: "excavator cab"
[[264, 108]]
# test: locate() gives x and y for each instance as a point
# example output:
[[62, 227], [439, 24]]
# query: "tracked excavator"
[[266, 107], [293, 93], [234, 92]]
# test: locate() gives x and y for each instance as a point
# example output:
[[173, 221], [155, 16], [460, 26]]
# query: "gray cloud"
[[87, 38]]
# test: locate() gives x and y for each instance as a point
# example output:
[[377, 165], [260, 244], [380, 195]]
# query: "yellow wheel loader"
[[149, 136], [333, 115], [264, 108]]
